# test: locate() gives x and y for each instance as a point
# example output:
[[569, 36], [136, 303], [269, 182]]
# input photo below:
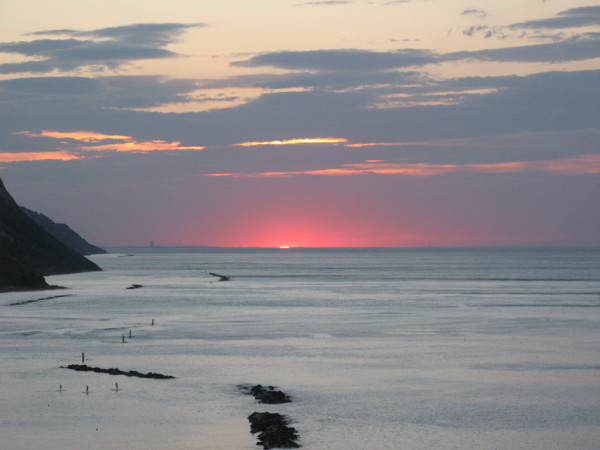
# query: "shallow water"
[[386, 348]]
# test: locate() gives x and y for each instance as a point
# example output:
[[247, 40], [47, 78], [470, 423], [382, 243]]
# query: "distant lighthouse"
[[151, 244]]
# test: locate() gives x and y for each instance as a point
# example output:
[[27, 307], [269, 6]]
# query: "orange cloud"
[[37, 156], [328, 140], [578, 165], [139, 146], [126, 144], [85, 136]]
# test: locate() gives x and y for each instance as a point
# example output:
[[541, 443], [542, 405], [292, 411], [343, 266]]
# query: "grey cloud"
[[338, 61], [574, 17], [474, 29], [472, 11], [35, 67], [340, 81], [573, 50], [56, 32], [147, 34], [108, 52], [40, 47], [103, 92], [542, 102], [347, 59], [52, 85], [125, 44]]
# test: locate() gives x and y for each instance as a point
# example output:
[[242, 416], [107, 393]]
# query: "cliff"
[[64, 234], [28, 252]]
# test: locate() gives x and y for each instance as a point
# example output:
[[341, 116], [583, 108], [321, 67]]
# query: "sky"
[[269, 123]]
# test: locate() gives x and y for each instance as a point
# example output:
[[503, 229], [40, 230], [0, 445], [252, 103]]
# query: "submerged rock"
[[274, 430]]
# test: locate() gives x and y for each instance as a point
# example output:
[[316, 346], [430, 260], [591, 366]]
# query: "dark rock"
[[274, 430], [268, 395], [135, 286], [64, 234], [116, 371], [28, 252], [220, 277]]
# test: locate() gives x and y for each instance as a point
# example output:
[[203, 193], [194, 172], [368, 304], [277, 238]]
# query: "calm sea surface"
[[379, 348]]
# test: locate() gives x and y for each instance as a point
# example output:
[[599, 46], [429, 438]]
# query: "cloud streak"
[[577, 165]]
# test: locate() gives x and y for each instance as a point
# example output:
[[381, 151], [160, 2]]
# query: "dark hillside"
[[64, 234], [28, 252]]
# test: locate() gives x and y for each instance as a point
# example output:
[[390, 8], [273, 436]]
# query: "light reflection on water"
[[426, 348]]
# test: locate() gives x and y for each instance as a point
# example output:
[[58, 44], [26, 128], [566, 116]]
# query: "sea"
[[387, 348]]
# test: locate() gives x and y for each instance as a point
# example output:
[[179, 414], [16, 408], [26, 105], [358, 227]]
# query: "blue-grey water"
[[379, 348]]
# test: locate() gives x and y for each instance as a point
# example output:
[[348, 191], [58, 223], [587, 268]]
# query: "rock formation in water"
[[269, 395], [273, 430], [64, 234], [28, 252], [117, 371]]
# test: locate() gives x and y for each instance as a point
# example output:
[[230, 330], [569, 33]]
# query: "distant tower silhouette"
[[151, 244]]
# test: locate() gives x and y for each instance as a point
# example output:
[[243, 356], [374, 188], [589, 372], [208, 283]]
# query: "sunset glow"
[[392, 122]]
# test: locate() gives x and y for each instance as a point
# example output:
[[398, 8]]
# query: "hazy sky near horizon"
[[305, 123]]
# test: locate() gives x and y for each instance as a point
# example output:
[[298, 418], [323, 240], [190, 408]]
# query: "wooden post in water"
[[82, 356], [152, 322], [129, 334], [123, 339]]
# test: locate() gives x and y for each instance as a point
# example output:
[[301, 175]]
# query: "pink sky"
[[407, 123]]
